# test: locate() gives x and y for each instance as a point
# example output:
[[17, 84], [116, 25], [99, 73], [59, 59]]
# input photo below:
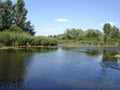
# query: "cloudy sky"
[[54, 16]]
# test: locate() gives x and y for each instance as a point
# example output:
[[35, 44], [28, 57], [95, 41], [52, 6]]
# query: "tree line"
[[109, 36], [14, 15]]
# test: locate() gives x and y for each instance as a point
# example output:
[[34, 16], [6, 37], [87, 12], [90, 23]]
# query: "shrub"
[[15, 29]]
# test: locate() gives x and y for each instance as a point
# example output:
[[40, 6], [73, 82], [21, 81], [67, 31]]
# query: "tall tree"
[[5, 14], [8, 13], [20, 13], [1, 15]]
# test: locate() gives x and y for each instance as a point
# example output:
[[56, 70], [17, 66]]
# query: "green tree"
[[111, 33], [20, 13], [107, 29], [5, 14], [114, 34], [2, 14], [93, 34], [8, 14], [29, 28], [74, 34], [62, 36], [14, 15]]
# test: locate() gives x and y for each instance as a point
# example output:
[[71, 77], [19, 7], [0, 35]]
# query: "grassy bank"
[[89, 43], [27, 48]]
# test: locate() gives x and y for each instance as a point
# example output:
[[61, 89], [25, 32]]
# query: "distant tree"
[[111, 33], [107, 29], [74, 34], [93, 34], [62, 37], [114, 34]]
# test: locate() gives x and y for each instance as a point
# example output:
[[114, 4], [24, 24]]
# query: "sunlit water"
[[80, 68]]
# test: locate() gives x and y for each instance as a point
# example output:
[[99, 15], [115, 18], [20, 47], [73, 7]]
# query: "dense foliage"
[[109, 37], [14, 15], [14, 38], [79, 36], [111, 33]]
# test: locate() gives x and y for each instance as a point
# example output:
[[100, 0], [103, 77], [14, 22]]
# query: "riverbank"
[[59, 45], [25, 47], [94, 43], [86, 45]]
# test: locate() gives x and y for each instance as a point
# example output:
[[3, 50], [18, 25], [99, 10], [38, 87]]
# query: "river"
[[63, 68]]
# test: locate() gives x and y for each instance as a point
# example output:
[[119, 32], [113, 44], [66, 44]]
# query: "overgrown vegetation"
[[14, 15], [109, 37], [13, 38]]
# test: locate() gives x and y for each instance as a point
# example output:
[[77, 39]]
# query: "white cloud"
[[112, 23], [61, 20]]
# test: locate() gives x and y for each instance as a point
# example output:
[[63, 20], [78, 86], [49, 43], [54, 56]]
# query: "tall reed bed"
[[8, 38]]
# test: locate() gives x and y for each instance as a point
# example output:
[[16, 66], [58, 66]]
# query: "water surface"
[[80, 68]]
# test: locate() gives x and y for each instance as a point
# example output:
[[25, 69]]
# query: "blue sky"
[[54, 16]]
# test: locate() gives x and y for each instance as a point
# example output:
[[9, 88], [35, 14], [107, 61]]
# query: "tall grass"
[[8, 38]]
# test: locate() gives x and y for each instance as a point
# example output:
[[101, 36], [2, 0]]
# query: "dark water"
[[80, 68]]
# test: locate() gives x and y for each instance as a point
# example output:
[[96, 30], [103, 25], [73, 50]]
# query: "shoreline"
[[79, 45], [25, 47], [59, 45]]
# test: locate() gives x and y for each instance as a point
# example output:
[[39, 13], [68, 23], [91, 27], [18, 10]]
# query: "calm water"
[[80, 68]]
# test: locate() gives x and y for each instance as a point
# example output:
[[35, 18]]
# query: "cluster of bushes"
[[109, 37], [15, 38], [79, 34], [82, 42]]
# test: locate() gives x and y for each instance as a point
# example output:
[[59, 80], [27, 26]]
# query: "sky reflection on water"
[[60, 69]]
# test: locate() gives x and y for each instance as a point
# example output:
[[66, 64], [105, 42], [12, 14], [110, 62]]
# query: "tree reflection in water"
[[109, 60], [13, 66]]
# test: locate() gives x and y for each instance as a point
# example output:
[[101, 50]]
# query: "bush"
[[15, 29]]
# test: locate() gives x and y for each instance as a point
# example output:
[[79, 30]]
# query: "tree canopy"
[[111, 33], [14, 15]]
